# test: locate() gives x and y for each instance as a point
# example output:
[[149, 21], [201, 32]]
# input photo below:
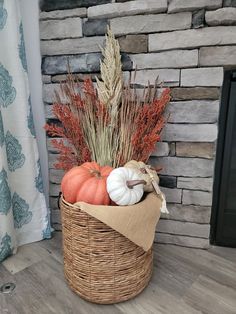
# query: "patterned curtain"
[[24, 217]]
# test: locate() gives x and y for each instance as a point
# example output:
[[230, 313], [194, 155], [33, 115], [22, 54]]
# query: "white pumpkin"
[[124, 186]]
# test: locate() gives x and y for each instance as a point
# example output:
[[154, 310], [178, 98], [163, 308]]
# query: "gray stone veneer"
[[187, 45]]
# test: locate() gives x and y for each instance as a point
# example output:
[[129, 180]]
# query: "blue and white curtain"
[[24, 216]]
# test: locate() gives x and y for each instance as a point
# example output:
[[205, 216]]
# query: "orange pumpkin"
[[86, 183]]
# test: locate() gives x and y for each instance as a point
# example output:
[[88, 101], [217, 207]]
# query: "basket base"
[[112, 301]]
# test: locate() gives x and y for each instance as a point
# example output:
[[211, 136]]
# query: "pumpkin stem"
[[132, 183], [96, 173]]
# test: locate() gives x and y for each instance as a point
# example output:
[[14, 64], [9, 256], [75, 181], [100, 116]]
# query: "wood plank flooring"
[[184, 281]]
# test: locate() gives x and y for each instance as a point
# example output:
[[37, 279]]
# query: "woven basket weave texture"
[[100, 264]]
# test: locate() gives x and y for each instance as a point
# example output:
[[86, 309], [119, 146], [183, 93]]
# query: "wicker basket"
[[100, 264]]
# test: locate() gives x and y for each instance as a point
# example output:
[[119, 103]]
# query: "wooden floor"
[[184, 281]]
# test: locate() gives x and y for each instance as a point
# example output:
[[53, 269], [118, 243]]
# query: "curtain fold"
[[24, 216]]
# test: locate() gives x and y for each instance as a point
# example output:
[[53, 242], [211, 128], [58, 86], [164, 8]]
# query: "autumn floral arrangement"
[[107, 132]]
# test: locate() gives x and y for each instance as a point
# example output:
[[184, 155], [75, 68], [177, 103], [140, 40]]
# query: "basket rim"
[[69, 204], [61, 197]]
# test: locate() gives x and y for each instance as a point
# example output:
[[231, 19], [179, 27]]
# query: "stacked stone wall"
[[187, 45]]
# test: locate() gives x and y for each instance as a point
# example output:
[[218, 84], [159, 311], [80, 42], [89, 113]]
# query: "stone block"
[[56, 217], [198, 19], [71, 46], [172, 149], [56, 175], [78, 77], [95, 27], [192, 38], [202, 77], [84, 63], [189, 213], [46, 79], [54, 189], [183, 228], [128, 8], [215, 56], [167, 59], [52, 159], [204, 150], [59, 78], [185, 241], [172, 195], [168, 181], [188, 93], [197, 198], [63, 14], [191, 5], [223, 16], [189, 133], [194, 111], [150, 23], [201, 184], [188, 167], [229, 3], [50, 147], [53, 203], [48, 112], [168, 77], [161, 149], [140, 91], [49, 95], [56, 29], [133, 43], [46, 5]]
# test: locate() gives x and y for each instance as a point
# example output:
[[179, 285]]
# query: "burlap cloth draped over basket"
[[108, 249]]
